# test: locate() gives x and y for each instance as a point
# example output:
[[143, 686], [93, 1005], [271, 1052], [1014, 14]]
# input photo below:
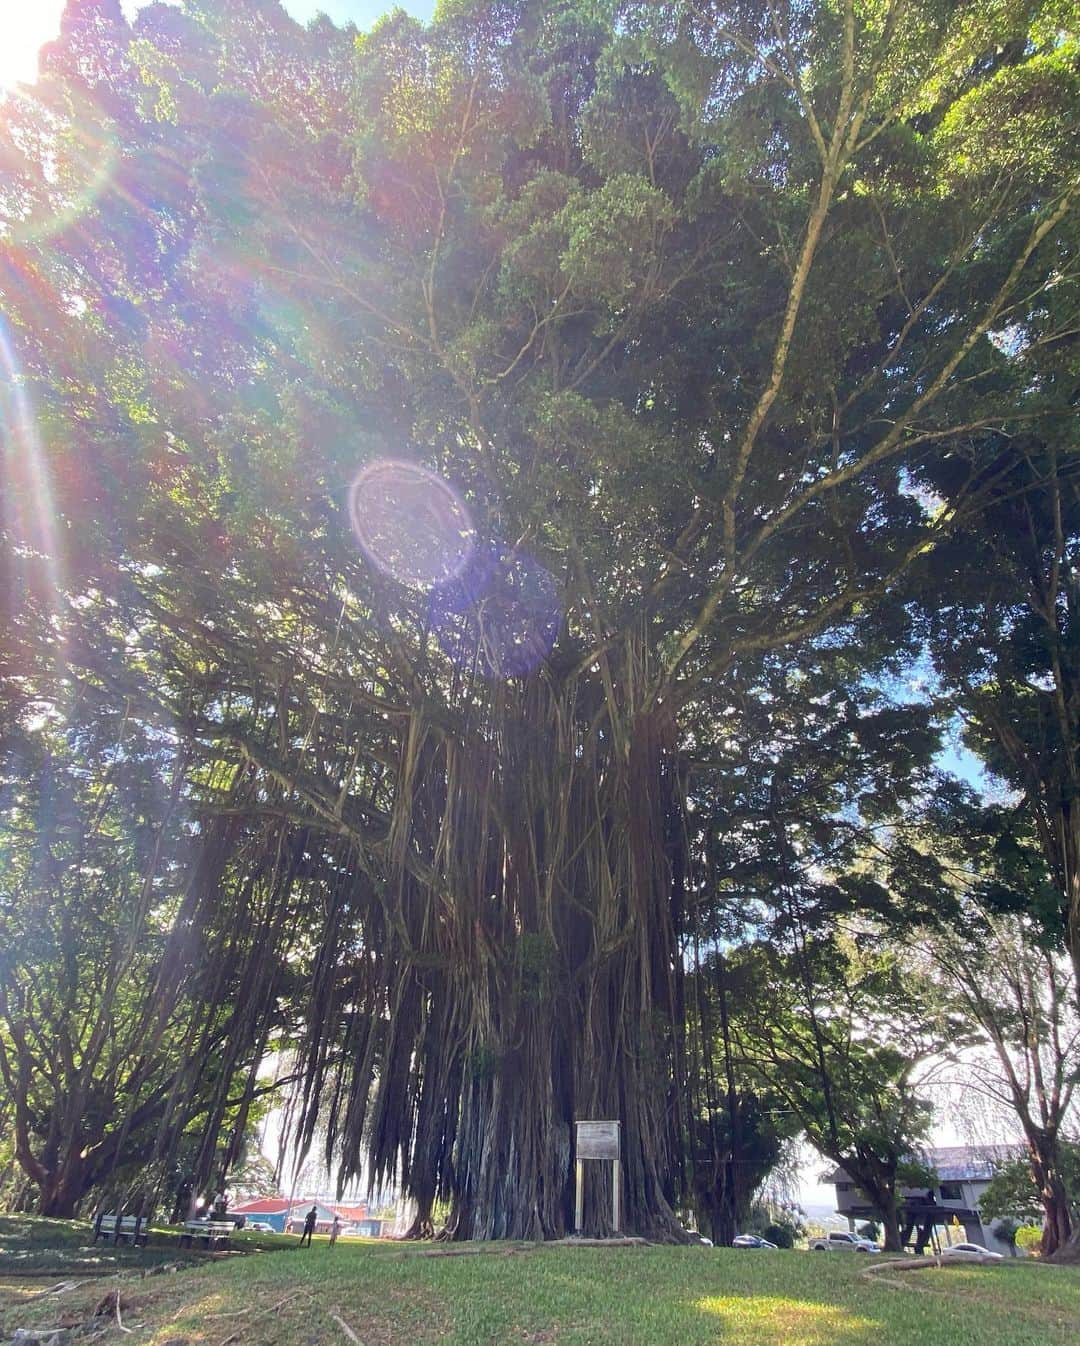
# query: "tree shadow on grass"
[[35, 1247]]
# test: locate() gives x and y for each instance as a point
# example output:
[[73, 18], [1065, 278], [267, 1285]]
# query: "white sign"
[[598, 1140]]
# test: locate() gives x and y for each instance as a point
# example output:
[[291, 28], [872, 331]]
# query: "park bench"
[[210, 1233], [121, 1228]]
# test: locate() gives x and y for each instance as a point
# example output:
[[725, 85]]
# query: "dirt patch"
[[398, 1318], [95, 1308], [202, 1308]]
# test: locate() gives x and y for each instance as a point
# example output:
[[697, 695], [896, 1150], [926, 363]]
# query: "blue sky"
[[361, 12]]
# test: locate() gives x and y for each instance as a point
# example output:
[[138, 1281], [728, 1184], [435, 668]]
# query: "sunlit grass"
[[760, 1320]]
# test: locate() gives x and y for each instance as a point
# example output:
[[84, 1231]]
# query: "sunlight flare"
[[24, 29]]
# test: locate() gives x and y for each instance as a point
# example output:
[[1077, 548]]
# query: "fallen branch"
[[111, 1304], [345, 1328], [621, 1241], [233, 1336], [486, 1250], [901, 1264], [60, 1289]]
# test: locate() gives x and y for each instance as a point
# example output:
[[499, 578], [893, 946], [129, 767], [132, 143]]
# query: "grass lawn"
[[390, 1295]]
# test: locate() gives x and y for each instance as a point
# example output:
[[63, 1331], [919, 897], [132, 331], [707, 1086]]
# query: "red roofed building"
[[350, 1214], [259, 1206], [280, 1213]]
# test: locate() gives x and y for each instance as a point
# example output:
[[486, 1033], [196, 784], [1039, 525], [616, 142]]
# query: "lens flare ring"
[[82, 171], [410, 523]]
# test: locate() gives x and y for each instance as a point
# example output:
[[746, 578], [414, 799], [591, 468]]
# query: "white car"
[[844, 1243], [260, 1227], [752, 1241], [971, 1252]]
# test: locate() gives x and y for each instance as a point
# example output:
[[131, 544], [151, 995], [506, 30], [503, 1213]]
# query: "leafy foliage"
[[701, 314]]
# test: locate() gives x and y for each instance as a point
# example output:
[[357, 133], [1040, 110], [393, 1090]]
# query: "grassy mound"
[[390, 1295]]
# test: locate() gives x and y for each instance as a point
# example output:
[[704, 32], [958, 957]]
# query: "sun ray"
[[29, 502]]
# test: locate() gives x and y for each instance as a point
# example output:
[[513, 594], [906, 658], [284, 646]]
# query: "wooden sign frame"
[[598, 1140]]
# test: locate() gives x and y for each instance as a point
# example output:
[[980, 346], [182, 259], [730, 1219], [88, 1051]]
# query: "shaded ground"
[[387, 1295], [31, 1246]]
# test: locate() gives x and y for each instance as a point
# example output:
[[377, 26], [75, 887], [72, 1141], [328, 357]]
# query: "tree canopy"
[[497, 467]]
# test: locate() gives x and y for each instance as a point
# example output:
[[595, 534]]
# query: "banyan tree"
[[470, 412]]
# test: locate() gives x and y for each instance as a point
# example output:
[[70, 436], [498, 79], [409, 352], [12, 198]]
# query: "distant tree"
[[1013, 1192], [1002, 609], [1006, 1230], [120, 1036], [826, 1037], [738, 1127], [783, 1235], [252, 1173], [1004, 975]]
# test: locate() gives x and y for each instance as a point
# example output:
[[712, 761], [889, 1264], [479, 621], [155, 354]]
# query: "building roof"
[[279, 1205], [349, 1212], [262, 1205], [953, 1163]]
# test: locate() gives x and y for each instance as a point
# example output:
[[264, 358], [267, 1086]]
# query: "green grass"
[[390, 1295]]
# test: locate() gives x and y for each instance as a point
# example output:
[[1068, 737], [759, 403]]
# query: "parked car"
[[971, 1252], [261, 1227], [751, 1241], [843, 1242]]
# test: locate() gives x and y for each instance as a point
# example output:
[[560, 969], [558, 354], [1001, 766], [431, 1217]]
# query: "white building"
[[963, 1172]]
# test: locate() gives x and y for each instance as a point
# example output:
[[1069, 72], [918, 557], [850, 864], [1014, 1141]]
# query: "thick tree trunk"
[[587, 1030], [1070, 832], [58, 1206], [515, 1139], [562, 1002], [525, 969], [890, 1222], [59, 1195], [1057, 1221], [882, 1193], [717, 1206]]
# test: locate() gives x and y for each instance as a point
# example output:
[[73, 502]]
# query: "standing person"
[[309, 1226], [335, 1230]]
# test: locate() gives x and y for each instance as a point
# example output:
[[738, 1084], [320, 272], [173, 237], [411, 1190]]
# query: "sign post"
[[598, 1140]]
